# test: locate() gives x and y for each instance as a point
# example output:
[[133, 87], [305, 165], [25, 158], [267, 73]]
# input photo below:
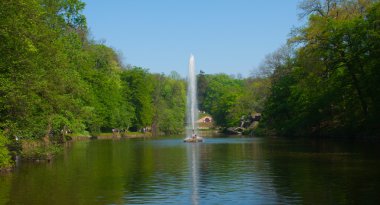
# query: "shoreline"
[[110, 136], [37, 151]]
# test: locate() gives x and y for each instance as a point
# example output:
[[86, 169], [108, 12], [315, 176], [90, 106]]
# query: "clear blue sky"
[[225, 36]]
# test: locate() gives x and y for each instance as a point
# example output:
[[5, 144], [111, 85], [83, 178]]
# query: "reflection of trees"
[[91, 169], [275, 171], [231, 168], [5, 186], [225, 156], [151, 168], [323, 172], [96, 172]]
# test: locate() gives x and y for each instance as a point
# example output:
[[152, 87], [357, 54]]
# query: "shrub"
[[5, 158]]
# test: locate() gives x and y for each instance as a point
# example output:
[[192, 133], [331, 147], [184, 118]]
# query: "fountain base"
[[193, 139]]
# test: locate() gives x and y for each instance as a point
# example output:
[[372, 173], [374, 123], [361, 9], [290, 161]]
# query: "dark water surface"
[[219, 171]]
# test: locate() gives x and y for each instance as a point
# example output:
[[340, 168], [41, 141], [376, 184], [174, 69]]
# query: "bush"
[[38, 150], [5, 158]]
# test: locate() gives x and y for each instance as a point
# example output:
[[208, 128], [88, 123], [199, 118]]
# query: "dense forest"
[[326, 81], [55, 79]]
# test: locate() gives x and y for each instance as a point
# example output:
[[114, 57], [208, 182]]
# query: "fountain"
[[192, 105]]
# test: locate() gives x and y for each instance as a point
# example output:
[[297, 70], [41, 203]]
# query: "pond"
[[221, 170]]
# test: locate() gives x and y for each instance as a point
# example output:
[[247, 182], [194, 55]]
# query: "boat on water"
[[193, 139]]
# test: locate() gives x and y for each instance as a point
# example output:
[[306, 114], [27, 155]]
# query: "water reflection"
[[219, 171], [193, 162]]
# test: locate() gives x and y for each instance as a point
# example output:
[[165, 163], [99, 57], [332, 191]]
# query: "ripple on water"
[[218, 171]]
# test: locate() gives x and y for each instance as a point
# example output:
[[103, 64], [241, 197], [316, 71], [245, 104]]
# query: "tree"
[[140, 84], [169, 105], [222, 94], [201, 89], [38, 79], [328, 87]]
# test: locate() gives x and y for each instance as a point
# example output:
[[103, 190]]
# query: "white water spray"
[[192, 103]]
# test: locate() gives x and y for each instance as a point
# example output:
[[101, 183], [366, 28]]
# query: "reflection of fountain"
[[193, 156], [192, 105]]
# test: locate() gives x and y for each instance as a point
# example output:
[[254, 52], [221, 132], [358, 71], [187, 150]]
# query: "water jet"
[[192, 105]]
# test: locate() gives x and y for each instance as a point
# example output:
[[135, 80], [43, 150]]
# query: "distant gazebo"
[[205, 119]]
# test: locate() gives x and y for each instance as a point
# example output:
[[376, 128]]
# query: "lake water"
[[229, 170]]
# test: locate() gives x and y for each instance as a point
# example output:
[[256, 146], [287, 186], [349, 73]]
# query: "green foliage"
[[330, 85], [202, 84], [252, 99], [5, 158], [169, 99], [107, 105], [42, 152], [218, 94], [227, 99], [158, 101], [53, 79], [140, 89], [38, 79]]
